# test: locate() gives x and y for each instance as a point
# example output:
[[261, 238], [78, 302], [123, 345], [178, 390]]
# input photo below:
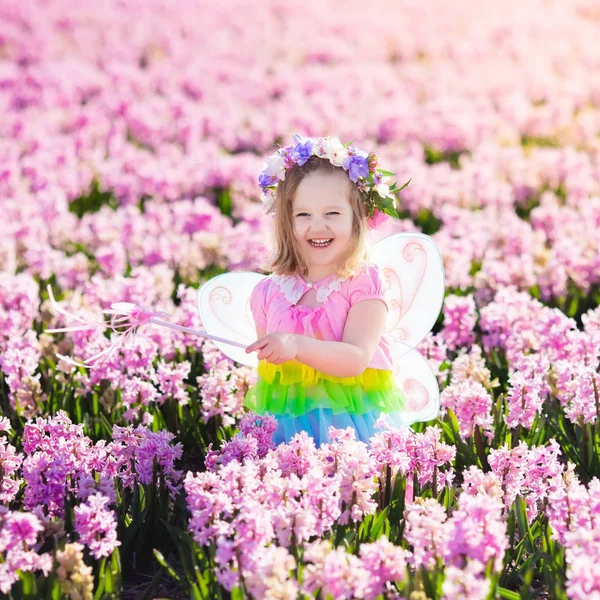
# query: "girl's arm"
[[348, 358], [351, 356]]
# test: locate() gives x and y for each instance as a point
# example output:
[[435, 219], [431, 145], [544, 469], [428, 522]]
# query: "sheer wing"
[[416, 379], [224, 307], [413, 270]]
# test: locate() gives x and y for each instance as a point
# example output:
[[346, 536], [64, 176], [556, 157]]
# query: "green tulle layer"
[[297, 399]]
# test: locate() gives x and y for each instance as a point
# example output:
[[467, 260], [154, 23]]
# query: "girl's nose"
[[319, 230], [318, 223]]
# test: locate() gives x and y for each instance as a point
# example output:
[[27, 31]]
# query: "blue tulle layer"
[[317, 422]]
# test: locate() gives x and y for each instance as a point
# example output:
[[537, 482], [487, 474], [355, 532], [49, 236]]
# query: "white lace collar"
[[293, 287]]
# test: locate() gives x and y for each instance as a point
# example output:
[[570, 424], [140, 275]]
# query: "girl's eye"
[[333, 212]]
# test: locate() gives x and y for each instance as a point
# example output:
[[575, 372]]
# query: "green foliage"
[[93, 201], [224, 201], [433, 156]]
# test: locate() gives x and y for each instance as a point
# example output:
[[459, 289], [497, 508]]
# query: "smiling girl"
[[320, 316]]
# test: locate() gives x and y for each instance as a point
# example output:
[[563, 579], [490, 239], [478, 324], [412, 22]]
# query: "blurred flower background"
[[132, 135]]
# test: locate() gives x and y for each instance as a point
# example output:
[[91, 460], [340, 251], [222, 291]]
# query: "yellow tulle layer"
[[293, 371]]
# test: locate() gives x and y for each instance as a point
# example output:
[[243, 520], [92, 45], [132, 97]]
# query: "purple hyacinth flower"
[[356, 163]]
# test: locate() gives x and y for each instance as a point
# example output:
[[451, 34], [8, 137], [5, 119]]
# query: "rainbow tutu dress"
[[304, 399]]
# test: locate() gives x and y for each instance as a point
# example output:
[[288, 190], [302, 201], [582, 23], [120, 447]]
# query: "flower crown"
[[362, 168]]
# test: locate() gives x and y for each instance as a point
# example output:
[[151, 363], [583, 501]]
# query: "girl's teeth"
[[320, 244]]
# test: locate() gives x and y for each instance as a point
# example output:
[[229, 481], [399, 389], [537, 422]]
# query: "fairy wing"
[[224, 308], [415, 378], [413, 271]]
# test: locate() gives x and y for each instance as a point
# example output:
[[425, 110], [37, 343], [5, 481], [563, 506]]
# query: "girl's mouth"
[[320, 242]]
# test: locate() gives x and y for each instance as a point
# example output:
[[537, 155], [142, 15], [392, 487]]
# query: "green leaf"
[[448, 495], [364, 526], [56, 592], [508, 594], [27, 580], [397, 503], [115, 572], [378, 524], [385, 205], [185, 547], [224, 202], [163, 563], [196, 595], [101, 581], [237, 594], [521, 513], [449, 431], [399, 189], [386, 173], [573, 306], [133, 529]]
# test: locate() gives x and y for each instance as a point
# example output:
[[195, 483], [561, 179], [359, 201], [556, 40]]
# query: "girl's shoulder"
[[367, 283], [365, 275]]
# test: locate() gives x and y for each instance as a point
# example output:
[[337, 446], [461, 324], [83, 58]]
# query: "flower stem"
[[388, 485], [481, 449]]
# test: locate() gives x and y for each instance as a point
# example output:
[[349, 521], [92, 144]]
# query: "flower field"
[[132, 135]]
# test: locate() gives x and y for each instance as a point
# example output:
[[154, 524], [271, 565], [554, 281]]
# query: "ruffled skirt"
[[304, 399]]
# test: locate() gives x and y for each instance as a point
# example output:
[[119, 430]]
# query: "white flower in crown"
[[333, 150], [382, 188], [275, 167]]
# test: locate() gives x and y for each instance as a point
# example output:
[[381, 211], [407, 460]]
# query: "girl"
[[320, 316]]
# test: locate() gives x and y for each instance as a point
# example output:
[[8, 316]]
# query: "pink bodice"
[[274, 304]]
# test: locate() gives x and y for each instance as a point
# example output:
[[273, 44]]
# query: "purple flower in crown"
[[289, 158], [266, 181], [356, 163], [303, 149]]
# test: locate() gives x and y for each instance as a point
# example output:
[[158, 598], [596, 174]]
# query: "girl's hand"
[[275, 348]]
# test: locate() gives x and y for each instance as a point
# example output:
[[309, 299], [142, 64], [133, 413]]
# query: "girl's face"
[[322, 217]]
